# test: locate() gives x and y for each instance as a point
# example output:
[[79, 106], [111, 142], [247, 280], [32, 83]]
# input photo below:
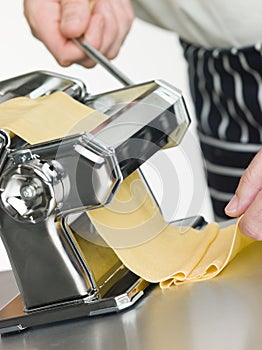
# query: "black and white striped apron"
[[226, 87]]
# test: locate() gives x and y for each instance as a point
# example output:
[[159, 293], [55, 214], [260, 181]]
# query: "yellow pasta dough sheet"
[[47, 118], [158, 251], [132, 224]]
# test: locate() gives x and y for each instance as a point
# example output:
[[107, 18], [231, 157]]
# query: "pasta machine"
[[45, 188]]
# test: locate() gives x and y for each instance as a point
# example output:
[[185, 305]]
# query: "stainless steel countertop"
[[219, 314]]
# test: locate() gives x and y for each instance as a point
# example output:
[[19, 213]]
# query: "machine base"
[[124, 294]]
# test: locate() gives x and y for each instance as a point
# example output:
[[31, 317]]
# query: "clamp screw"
[[23, 158], [28, 192]]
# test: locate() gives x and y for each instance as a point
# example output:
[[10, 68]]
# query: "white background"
[[148, 53]]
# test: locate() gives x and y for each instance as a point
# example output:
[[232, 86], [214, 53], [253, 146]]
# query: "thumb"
[[74, 17], [249, 186]]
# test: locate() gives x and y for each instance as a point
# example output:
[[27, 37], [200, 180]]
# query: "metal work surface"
[[219, 314]]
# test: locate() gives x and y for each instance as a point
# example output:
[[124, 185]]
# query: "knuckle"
[[90, 64], [33, 32], [71, 3], [71, 8], [248, 180], [86, 62], [113, 32], [131, 16], [248, 176], [64, 62], [112, 54]]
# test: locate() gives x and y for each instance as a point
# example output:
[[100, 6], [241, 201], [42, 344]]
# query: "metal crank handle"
[[103, 61]]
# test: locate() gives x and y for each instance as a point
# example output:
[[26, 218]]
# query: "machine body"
[[45, 187]]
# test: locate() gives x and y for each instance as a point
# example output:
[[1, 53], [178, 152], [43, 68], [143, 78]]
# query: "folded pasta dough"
[[132, 224], [171, 255]]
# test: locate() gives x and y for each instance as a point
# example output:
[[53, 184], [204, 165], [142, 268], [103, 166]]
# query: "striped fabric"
[[226, 87]]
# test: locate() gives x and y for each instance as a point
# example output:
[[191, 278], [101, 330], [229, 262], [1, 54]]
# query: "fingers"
[[108, 25], [104, 24], [249, 186], [123, 14], [74, 17], [96, 36], [117, 20], [248, 200], [44, 18]]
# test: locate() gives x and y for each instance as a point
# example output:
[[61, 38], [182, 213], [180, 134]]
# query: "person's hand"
[[104, 24], [248, 200]]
